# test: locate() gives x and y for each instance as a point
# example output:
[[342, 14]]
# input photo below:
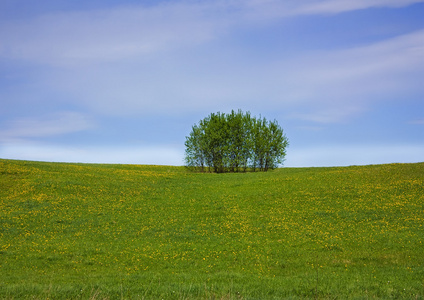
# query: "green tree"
[[216, 137], [238, 136], [194, 152], [234, 142], [276, 144]]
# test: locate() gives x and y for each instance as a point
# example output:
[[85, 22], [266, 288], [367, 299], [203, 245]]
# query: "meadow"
[[87, 231]]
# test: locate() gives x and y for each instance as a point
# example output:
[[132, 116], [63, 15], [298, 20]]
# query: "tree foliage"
[[235, 142]]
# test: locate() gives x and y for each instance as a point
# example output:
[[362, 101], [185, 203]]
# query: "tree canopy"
[[235, 142]]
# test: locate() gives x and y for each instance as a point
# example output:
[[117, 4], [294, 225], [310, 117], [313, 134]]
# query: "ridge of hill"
[[72, 231]]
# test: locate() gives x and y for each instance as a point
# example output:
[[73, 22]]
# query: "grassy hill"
[[81, 231]]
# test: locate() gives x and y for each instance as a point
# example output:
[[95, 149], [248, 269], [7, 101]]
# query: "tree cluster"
[[235, 142]]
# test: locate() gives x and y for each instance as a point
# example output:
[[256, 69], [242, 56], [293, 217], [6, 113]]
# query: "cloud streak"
[[106, 35], [52, 125], [339, 6], [66, 39], [337, 84]]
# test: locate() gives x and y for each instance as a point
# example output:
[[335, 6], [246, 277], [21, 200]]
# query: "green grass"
[[81, 231]]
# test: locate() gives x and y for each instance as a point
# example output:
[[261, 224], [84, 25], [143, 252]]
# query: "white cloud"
[[105, 35], [342, 83], [118, 33], [51, 125], [338, 6], [266, 10], [381, 60]]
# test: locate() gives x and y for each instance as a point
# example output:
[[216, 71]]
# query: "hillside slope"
[[144, 232]]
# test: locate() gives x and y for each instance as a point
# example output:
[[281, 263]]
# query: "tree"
[[234, 142], [195, 156]]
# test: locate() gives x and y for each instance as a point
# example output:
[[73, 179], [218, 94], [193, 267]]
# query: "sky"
[[124, 81]]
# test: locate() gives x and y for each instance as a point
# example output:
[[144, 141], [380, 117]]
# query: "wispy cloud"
[[52, 125], [417, 122], [105, 35], [345, 82], [266, 10], [133, 31], [338, 6], [331, 114]]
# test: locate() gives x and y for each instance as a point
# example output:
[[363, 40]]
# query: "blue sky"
[[124, 81]]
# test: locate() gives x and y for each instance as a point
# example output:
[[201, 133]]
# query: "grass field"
[[81, 231]]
